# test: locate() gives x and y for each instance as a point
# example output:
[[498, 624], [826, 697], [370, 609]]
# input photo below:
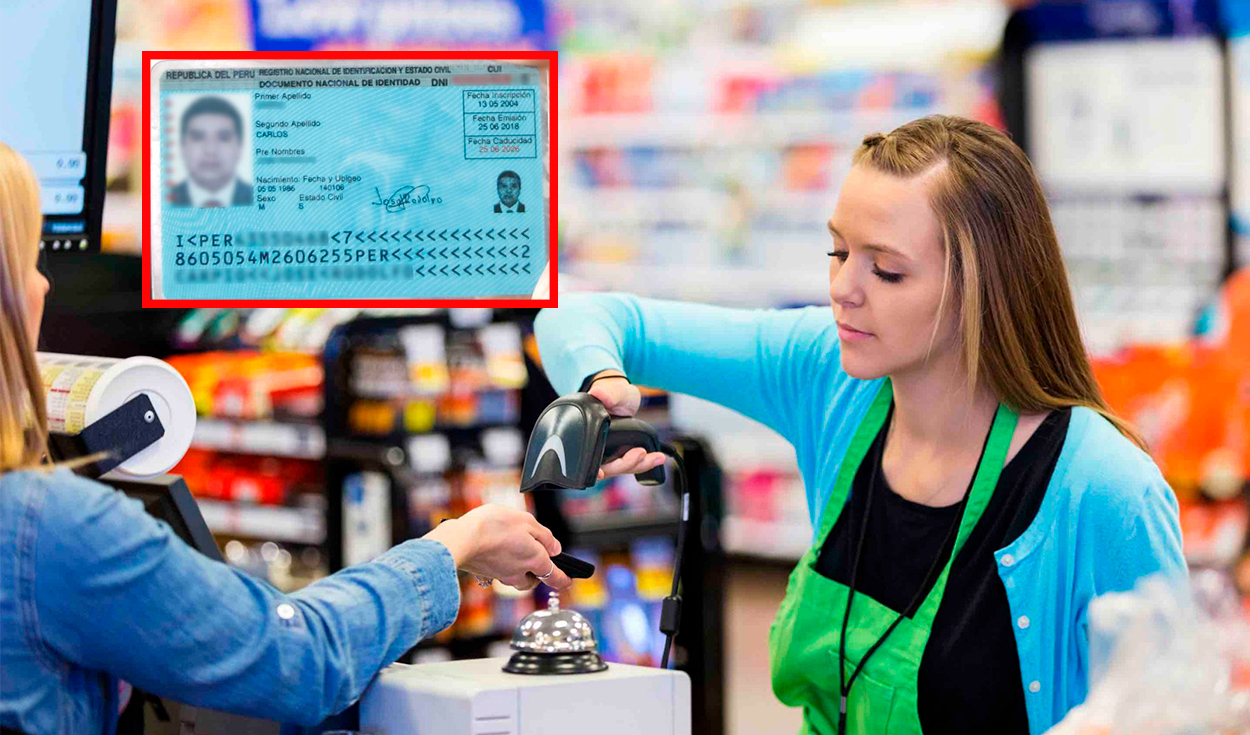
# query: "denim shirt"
[[94, 591], [1107, 520]]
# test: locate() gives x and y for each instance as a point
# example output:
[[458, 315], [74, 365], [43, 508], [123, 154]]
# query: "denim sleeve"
[[764, 363], [116, 590]]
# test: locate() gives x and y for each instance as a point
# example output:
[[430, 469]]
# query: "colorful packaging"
[[626, 630]]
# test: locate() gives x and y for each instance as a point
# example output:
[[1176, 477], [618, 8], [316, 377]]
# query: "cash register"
[[555, 683]]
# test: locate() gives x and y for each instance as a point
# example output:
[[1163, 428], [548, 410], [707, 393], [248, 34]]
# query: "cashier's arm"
[[760, 362], [115, 590]]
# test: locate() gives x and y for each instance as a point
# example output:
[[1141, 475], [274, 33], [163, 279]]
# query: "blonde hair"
[[1004, 270], [23, 414]]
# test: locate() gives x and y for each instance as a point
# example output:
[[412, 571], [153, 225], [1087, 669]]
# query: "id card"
[[348, 179]]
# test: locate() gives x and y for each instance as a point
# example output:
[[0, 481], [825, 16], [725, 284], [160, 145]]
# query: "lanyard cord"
[[845, 685]]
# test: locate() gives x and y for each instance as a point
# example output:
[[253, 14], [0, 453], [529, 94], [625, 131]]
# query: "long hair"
[[1004, 270], [23, 414]]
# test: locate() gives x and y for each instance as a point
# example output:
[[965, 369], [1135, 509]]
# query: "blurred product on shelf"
[[477, 615], [588, 596], [1215, 533], [512, 605], [435, 496], [1137, 199], [616, 84], [253, 385], [425, 360], [424, 378], [424, 346], [256, 498], [626, 630], [271, 329], [767, 515], [1192, 400], [761, 494], [502, 350], [248, 479]]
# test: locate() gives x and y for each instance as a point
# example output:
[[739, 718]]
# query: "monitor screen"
[[54, 93]]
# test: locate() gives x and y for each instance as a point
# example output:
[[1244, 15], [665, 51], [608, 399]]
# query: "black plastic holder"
[[120, 434]]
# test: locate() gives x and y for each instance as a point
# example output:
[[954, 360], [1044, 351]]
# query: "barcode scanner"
[[573, 436]]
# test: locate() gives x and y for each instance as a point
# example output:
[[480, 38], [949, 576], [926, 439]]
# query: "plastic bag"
[[1167, 659]]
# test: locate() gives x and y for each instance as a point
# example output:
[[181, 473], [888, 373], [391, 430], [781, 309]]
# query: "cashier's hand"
[[503, 543], [622, 398]]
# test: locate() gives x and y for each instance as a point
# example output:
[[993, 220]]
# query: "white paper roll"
[[81, 389]]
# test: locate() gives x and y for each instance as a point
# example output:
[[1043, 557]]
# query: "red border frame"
[[551, 57]]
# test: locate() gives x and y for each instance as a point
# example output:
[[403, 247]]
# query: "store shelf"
[[301, 441], [670, 205], [269, 522], [766, 539], [716, 284], [759, 130], [456, 434]]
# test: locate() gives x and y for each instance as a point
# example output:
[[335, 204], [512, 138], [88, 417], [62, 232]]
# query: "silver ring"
[[545, 577], [483, 582]]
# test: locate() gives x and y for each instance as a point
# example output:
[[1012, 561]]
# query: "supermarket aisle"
[[752, 595]]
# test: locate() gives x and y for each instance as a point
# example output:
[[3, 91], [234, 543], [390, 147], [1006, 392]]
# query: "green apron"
[[805, 636]]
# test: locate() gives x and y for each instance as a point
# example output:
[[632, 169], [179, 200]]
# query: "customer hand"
[[622, 398], [503, 543]]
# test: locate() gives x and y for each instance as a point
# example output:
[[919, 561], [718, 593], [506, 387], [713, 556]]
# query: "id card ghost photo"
[[276, 179]]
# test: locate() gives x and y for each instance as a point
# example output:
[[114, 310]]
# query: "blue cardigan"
[[1108, 517]]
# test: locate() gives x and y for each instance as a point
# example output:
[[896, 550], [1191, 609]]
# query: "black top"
[[970, 678]]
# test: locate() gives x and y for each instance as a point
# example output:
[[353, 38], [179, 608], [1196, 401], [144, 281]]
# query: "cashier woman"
[[969, 489], [96, 596]]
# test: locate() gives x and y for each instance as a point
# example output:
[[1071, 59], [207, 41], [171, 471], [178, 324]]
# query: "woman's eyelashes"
[[886, 276]]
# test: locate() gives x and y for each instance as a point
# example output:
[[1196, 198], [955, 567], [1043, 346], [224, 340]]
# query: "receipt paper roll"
[[81, 389]]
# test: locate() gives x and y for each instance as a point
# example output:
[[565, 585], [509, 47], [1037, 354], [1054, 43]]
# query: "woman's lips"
[[850, 334]]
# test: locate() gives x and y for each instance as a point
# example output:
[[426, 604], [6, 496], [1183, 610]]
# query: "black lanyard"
[[844, 685]]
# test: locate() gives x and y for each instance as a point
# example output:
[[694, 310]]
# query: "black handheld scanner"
[[574, 436]]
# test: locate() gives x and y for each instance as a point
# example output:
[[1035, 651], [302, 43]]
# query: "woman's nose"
[[843, 289]]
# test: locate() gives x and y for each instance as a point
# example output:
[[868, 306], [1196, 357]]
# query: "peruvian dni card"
[[347, 179]]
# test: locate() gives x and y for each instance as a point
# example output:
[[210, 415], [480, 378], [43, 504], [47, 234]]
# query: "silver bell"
[[554, 641]]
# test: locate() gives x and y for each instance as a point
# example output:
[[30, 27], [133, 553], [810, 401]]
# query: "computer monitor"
[[166, 497], [56, 77]]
